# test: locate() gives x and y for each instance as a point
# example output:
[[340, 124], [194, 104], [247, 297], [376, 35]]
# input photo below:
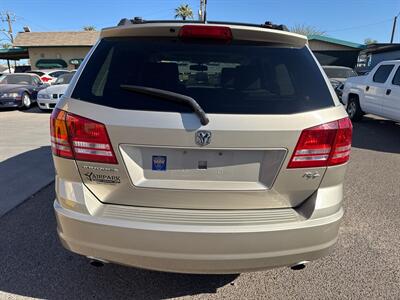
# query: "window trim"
[[20, 75]]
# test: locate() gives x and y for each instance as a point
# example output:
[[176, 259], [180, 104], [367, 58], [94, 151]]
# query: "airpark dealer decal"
[[103, 179]]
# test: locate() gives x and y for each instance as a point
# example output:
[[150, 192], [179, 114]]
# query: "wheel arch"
[[26, 91], [353, 95]]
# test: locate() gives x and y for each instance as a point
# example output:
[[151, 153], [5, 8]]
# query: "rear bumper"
[[196, 248]]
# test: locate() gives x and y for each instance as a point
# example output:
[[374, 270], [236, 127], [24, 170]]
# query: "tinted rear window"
[[16, 79], [382, 74], [235, 78]]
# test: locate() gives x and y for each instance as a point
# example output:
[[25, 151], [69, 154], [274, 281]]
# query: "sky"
[[351, 20]]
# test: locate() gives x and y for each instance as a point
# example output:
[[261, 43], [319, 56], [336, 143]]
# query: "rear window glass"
[[339, 72], [64, 79], [16, 79], [396, 78], [57, 73], [235, 78], [382, 74], [36, 72]]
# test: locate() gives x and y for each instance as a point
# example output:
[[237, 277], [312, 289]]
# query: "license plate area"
[[202, 169]]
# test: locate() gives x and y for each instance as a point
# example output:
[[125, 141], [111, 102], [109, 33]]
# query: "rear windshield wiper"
[[167, 95]]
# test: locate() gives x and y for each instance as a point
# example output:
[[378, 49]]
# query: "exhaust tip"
[[96, 262], [299, 266]]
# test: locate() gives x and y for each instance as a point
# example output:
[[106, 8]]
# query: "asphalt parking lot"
[[364, 265], [24, 155]]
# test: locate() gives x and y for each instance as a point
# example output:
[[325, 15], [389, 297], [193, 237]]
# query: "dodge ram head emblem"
[[203, 137]]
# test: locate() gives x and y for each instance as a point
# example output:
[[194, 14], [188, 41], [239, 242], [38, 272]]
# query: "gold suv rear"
[[200, 148]]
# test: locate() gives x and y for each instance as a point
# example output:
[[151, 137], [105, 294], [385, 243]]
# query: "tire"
[[354, 110], [26, 101]]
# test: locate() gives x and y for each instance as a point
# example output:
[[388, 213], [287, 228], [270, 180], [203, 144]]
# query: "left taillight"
[[59, 134], [73, 136]]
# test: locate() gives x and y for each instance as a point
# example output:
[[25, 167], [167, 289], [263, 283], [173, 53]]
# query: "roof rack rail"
[[139, 20], [135, 20], [267, 24]]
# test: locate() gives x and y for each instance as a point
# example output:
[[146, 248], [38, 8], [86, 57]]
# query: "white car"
[[337, 76], [49, 76], [48, 97], [377, 93]]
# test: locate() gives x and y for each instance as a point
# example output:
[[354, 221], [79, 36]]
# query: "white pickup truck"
[[377, 93]]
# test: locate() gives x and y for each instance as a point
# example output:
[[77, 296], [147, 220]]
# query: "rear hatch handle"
[[171, 96]]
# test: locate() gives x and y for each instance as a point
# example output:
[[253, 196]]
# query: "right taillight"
[[73, 136], [341, 150], [323, 145]]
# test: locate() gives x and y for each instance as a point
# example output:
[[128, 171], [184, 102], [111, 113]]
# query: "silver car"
[[48, 97], [200, 148]]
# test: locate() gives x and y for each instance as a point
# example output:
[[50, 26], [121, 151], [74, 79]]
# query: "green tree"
[[89, 28], [306, 30], [368, 41], [183, 11]]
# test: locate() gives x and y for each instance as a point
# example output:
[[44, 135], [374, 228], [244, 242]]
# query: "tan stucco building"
[[63, 50]]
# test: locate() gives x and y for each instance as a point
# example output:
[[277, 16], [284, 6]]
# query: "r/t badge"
[[311, 175]]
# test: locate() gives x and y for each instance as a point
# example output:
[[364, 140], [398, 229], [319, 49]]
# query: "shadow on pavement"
[[23, 175], [377, 134], [33, 263], [34, 109]]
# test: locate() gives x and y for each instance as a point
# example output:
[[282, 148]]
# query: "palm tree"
[[89, 28], [183, 11]]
